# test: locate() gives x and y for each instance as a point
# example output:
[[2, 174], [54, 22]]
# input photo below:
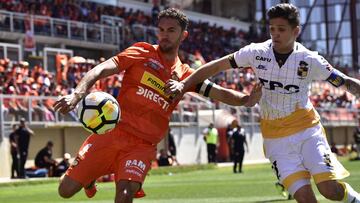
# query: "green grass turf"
[[218, 185]]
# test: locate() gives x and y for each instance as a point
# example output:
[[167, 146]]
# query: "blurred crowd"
[[218, 41]]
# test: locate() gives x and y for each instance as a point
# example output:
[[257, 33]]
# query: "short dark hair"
[[175, 14], [287, 11]]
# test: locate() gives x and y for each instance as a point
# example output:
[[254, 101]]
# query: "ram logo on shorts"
[[137, 164]]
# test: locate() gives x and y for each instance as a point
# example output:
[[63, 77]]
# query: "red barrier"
[[223, 149]]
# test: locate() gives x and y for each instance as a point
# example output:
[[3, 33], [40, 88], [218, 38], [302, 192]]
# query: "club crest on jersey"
[[303, 69], [154, 64]]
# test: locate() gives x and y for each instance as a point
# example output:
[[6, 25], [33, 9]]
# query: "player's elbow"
[[250, 103]]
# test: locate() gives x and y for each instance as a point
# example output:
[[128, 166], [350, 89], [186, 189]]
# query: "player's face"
[[170, 35], [283, 35]]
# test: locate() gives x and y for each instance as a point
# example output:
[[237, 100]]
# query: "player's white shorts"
[[297, 157]]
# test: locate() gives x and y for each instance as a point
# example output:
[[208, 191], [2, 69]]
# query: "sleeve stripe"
[[115, 61], [232, 61], [207, 90], [204, 88]]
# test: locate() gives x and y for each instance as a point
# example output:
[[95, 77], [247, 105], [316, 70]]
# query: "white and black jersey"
[[285, 105]]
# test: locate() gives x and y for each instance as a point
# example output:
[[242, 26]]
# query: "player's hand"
[[66, 103], [255, 95], [174, 89]]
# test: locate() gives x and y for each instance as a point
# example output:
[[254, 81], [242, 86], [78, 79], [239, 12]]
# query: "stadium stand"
[[138, 25]]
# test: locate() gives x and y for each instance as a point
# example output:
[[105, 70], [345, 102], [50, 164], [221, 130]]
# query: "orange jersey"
[[145, 109]]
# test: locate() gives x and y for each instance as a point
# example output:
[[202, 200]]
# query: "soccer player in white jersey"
[[294, 139]]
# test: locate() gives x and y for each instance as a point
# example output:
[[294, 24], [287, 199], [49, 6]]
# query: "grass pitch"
[[217, 185]]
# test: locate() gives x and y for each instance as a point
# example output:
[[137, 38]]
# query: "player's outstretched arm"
[[352, 85], [235, 98], [68, 102], [203, 72]]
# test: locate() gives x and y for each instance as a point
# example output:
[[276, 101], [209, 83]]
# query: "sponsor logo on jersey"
[[260, 58], [154, 82], [279, 87], [303, 70], [154, 64], [137, 164], [152, 96], [261, 67]]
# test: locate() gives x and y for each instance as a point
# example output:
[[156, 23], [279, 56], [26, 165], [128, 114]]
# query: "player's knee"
[[305, 195], [125, 191], [301, 199], [331, 190], [123, 195]]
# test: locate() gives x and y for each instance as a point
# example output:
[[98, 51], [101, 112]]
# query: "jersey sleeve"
[[322, 70], [242, 57], [129, 56]]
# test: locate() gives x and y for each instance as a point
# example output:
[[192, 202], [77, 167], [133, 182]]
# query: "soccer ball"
[[99, 112]]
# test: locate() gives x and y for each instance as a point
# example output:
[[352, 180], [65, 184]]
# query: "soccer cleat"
[[140, 194], [90, 190]]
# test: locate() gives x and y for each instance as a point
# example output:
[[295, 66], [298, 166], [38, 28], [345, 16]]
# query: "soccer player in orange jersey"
[[128, 150]]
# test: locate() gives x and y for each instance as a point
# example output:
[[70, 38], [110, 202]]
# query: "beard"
[[169, 47], [166, 48]]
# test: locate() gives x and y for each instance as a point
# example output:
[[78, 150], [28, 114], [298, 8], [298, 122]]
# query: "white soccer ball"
[[99, 112]]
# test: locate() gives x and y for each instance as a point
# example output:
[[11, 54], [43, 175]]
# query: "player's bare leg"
[[331, 190], [337, 191], [305, 195], [125, 191], [68, 187]]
